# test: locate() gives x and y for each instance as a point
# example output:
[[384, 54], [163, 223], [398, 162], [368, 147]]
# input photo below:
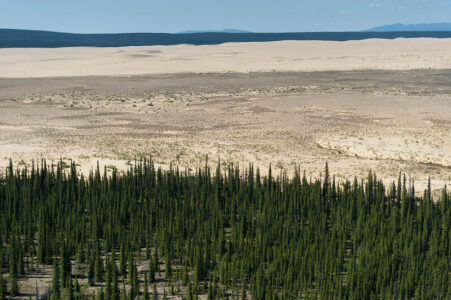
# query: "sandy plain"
[[383, 105], [286, 56]]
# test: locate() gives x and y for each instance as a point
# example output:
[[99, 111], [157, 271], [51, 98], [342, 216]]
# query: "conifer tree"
[[168, 267], [155, 292], [65, 266], [56, 290], [146, 289], [2, 287], [115, 292], [189, 291], [152, 270]]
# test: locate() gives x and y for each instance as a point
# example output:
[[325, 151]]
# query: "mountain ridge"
[[411, 27]]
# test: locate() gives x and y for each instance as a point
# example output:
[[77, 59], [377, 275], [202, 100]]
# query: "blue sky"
[[90, 16]]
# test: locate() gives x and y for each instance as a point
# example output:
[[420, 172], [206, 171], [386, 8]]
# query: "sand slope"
[[387, 121], [398, 54]]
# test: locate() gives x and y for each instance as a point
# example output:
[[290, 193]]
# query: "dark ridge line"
[[16, 38]]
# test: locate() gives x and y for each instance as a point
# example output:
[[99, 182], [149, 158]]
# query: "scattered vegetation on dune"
[[232, 234]]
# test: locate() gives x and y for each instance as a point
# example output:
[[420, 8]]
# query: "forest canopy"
[[225, 233]]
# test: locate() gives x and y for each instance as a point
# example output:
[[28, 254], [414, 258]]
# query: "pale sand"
[[383, 105], [293, 56], [387, 121]]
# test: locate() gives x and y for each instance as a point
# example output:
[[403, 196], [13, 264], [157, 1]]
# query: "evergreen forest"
[[224, 233]]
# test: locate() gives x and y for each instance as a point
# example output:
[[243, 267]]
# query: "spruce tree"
[[3, 290], [56, 285]]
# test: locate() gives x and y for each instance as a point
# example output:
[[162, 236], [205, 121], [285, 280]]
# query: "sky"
[[101, 16]]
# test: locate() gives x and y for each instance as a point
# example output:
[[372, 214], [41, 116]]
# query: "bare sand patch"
[[387, 121]]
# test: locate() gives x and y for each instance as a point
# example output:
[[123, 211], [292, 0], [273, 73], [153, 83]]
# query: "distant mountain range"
[[15, 38], [223, 31], [412, 27]]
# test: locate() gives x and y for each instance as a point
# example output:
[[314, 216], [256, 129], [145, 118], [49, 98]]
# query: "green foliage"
[[275, 238], [2, 287], [56, 287]]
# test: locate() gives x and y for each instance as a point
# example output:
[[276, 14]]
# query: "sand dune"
[[366, 107], [398, 54]]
